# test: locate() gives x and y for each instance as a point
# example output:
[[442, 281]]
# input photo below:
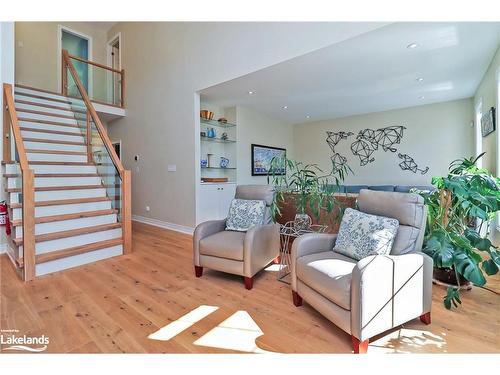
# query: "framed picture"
[[261, 159], [488, 122]]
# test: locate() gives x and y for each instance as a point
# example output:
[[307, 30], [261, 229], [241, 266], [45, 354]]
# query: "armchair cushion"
[[244, 214], [329, 274], [361, 234], [225, 244]]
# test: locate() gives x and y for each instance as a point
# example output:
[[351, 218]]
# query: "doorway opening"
[[114, 58], [118, 148]]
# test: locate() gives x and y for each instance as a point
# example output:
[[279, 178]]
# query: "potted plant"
[[459, 214], [307, 186]]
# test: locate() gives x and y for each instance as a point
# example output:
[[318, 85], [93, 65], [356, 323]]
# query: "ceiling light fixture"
[[421, 97], [250, 93], [412, 45], [285, 107], [420, 79], [308, 116]]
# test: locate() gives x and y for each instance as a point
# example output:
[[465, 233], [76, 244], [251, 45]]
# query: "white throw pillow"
[[361, 235], [244, 214]]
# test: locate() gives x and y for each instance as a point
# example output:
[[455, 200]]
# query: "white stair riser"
[[55, 137], [77, 260], [64, 209], [14, 168], [37, 116], [56, 181], [62, 194], [84, 239], [34, 107], [59, 226], [53, 146], [39, 93], [42, 101], [56, 157], [42, 126]]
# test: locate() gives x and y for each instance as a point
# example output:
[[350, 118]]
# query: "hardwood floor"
[[114, 305]]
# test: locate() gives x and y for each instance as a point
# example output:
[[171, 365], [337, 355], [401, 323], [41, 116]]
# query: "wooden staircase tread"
[[40, 175], [70, 233], [43, 113], [57, 188], [60, 132], [59, 108], [77, 215], [60, 202], [64, 253], [48, 162], [41, 140], [60, 152], [47, 122]]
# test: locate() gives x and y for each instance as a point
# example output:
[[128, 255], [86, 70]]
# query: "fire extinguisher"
[[4, 217]]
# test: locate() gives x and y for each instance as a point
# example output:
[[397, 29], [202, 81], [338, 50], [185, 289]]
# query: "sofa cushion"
[[407, 188], [354, 189], [244, 214], [225, 244], [329, 274], [361, 234], [381, 187]]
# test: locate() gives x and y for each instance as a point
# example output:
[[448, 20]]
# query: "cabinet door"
[[208, 205], [226, 195]]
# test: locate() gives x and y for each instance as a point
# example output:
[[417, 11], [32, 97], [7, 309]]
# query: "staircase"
[[80, 211]]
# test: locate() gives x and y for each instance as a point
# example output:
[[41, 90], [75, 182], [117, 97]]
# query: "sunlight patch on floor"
[[273, 268], [407, 340], [184, 322], [238, 332]]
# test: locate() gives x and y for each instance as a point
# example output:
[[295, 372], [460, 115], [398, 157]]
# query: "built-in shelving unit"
[[217, 147]]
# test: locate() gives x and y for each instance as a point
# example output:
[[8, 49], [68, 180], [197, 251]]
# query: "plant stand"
[[288, 233]]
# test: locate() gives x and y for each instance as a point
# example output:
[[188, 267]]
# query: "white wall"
[[166, 63], [436, 134], [6, 76]]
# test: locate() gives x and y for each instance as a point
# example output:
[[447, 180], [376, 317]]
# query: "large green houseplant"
[[306, 184], [459, 213]]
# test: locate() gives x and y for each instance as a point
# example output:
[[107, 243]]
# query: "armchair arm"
[[204, 230], [389, 290], [261, 246], [309, 244]]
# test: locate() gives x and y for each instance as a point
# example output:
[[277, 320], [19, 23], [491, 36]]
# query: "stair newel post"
[[6, 129], [88, 140], [127, 211], [28, 224], [64, 73]]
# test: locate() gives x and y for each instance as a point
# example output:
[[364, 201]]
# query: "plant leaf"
[[490, 267], [452, 297]]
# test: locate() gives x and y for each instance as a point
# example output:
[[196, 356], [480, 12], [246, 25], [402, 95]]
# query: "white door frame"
[[117, 36], [60, 29]]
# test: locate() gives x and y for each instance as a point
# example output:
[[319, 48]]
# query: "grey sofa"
[[355, 189], [367, 297], [239, 253]]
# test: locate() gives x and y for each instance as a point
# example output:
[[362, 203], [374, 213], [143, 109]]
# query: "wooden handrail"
[[94, 63], [10, 115], [93, 113], [28, 181]]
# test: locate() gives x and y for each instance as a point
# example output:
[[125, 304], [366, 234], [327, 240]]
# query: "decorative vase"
[[302, 222], [224, 162]]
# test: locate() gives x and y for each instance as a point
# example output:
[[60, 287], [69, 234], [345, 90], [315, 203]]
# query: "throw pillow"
[[361, 235], [244, 214]]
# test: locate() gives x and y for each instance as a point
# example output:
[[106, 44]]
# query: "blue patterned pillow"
[[244, 214], [361, 235]]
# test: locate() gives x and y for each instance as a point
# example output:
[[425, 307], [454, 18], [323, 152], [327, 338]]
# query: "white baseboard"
[[3, 248], [163, 224]]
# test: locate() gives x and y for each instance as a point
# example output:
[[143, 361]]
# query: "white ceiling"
[[369, 73]]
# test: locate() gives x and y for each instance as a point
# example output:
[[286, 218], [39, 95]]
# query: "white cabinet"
[[214, 201]]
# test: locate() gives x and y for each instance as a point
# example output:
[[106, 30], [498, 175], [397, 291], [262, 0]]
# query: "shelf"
[[216, 140], [216, 123], [230, 168]]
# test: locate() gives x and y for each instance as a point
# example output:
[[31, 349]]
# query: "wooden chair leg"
[[426, 318], [359, 347], [249, 282], [198, 271], [297, 300]]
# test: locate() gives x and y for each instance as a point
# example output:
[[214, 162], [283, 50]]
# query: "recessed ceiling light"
[[250, 93], [420, 79], [308, 116], [421, 97], [412, 45], [285, 107]]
